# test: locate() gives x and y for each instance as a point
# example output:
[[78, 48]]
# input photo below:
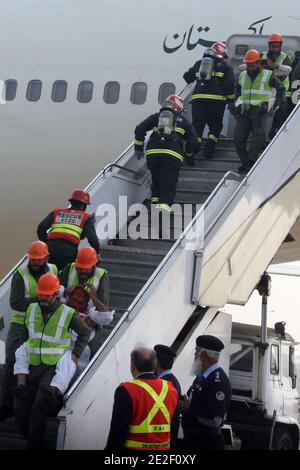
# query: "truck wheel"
[[282, 440]]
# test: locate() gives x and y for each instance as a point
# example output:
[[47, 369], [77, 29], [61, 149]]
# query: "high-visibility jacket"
[[68, 224], [279, 61], [153, 405], [95, 279], [47, 342], [258, 91], [30, 285]]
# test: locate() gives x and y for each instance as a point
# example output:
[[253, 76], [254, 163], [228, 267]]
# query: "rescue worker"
[[293, 95], [85, 272], [143, 408], [49, 324], [272, 60], [67, 228], [66, 370], [23, 292], [208, 398], [165, 360], [254, 94], [171, 142], [213, 89]]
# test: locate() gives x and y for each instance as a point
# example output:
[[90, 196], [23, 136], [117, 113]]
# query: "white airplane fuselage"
[[49, 148]]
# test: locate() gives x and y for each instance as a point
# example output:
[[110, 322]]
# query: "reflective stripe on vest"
[[47, 343], [146, 445], [279, 61], [179, 130], [73, 280], [165, 152], [145, 426], [30, 285], [207, 96], [68, 224], [256, 92]]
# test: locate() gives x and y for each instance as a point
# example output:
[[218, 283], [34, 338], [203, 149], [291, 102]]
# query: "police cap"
[[209, 342], [164, 351]]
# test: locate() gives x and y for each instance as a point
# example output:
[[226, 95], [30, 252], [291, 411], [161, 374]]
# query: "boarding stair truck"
[[264, 410]]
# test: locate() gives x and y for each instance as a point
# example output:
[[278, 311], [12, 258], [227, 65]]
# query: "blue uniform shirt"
[[211, 395]]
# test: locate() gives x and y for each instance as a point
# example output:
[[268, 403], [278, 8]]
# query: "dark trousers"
[[254, 123], [210, 113], [279, 118], [164, 172], [203, 441], [31, 412], [15, 337], [61, 252]]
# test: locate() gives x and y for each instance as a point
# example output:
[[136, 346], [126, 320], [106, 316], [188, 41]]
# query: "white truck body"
[[265, 400]]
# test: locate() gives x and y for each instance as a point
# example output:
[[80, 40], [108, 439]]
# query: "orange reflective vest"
[[68, 224], [153, 404]]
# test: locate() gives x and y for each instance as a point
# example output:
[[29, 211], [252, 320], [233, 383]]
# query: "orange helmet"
[[48, 284], [275, 37], [251, 56], [179, 103], [80, 196], [87, 258], [38, 250], [220, 49]]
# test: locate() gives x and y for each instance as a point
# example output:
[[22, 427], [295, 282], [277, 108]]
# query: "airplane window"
[[85, 91], [10, 89], [111, 92], [165, 90], [34, 90], [59, 91], [138, 93]]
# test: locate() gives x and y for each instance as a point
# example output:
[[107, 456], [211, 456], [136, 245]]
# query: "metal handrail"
[[114, 165]]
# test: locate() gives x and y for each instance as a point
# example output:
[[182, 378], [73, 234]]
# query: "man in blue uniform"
[[171, 142], [165, 360], [213, 89], [208, 398]]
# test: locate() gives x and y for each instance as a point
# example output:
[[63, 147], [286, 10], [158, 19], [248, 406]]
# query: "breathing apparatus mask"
[[207, 65]]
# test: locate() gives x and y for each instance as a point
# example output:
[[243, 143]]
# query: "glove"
[[275, 107], [190, 161], [139, 154], [264, 108], [235, 110]]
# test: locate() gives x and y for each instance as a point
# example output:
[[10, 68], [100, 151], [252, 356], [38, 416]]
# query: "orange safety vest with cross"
[[68, 224], [153, 405]]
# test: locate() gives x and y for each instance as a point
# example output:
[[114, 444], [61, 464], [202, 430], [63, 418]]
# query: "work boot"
[[209, 148], [51, 394], [19, 391], [5, 412]]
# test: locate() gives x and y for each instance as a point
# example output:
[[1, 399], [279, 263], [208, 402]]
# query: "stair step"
[[207, 173], [156, 245], [122, 253], [191, 196], [12, 439], [215, 164], [120, 299], [199, 184], [140, 269], [128, 283]]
